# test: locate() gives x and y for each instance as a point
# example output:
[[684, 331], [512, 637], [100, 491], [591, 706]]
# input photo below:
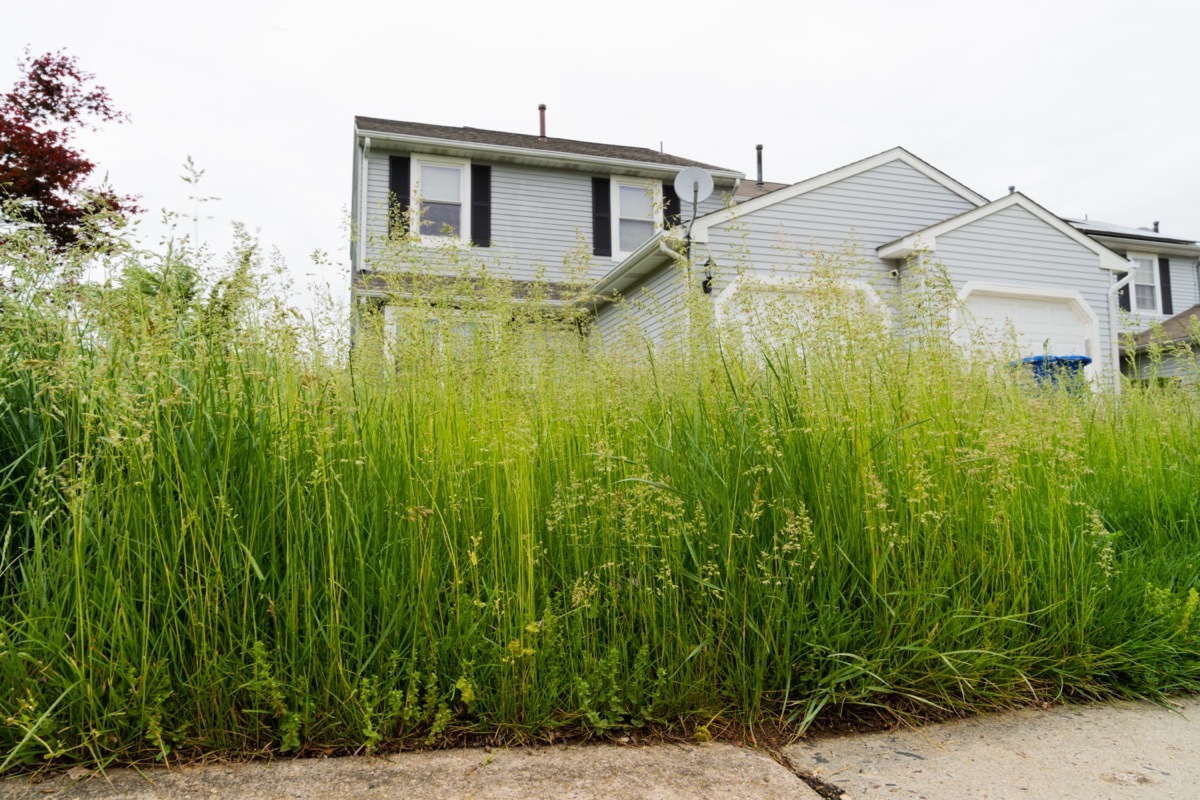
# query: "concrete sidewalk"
[[661, 772], [1122, 750], [1112, 750]]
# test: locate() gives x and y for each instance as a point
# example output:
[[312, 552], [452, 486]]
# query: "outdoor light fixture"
[[706, 284]]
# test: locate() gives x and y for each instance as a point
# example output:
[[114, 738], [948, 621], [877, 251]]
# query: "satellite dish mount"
[[697, 184]]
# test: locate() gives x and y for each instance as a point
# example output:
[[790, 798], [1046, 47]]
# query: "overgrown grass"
[[223, 536]]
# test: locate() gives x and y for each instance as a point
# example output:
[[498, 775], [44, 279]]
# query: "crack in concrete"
[[827, 790]]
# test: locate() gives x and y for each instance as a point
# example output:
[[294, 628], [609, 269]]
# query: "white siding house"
[[535, 208], [567, 212]]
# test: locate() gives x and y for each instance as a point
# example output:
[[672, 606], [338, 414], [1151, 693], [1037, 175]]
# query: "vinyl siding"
[[451, 259], [860, 212], [715, 202], [1184, 290], [377, 197], [1012, 246], [1183, 367], [540, 217], [651, 310]]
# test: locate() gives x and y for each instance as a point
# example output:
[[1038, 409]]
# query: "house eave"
[[907, 247], [530, 157], [637, 265], [1148, 245]]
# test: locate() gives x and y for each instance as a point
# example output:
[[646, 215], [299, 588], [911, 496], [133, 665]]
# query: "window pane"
[[634, 233], [1146, 300], [441, 219], [1143, 271], [442, 184], [636, 203]]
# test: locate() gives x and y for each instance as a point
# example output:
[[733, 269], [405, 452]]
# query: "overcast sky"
[[1088, 108]]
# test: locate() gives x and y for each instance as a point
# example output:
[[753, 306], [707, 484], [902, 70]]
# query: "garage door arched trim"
[[787, 284], [1072, 297]]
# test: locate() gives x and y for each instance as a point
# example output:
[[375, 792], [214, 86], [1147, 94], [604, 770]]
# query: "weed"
[[225, 532]]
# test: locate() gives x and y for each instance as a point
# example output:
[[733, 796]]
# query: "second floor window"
[[441, 201], [636, 206], [1145, 283], [441, 187]]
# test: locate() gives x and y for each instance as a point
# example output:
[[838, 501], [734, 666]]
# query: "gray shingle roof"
[[1177, 329], [749, 189], [529, 142]]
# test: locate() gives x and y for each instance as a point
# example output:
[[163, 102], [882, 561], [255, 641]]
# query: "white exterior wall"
[[649, 311], [1185, 286], [1184, 291], [1014, 247], [1010, 247], [862, 211], [540, 217]]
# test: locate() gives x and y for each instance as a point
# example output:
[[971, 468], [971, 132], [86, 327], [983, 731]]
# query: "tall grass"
[[224, 535]]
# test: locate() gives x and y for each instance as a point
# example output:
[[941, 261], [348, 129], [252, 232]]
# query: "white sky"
[[1088, 108]]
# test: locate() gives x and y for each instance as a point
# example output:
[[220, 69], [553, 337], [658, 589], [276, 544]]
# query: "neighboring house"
[[1015, 266], [1166, 269], [1166, 351], [1166, 279]]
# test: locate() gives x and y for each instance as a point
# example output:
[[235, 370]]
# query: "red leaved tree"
[[42, 176]]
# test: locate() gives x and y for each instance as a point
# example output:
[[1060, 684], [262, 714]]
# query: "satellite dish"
[[693, 185]]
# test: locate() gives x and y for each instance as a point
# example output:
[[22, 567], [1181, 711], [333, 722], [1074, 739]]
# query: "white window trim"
[[1133, 306], [419, 160], [614, 194]]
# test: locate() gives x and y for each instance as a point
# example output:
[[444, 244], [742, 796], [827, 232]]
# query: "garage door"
[[1040, 325]]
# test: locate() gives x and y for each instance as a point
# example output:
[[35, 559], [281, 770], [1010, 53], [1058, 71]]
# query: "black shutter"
[[399, 191], [601, 217], [1123, 294], [481, 205], [672, 208], [1164, 276]]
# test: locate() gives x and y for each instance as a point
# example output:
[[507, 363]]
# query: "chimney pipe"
[[1012, 189], [759, 184], [1156, 226], [542, 115]]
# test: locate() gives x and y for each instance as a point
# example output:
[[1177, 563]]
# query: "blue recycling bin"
[[1055, 369]]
